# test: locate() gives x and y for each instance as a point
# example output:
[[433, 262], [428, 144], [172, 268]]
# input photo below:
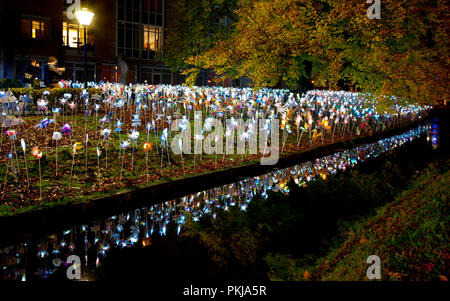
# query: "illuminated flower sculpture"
[[44, 123], [56, 136], [12, 134], [148, 147], [36, 152], [66, 130]]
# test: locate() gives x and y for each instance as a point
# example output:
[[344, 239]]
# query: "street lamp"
[[84, 18]]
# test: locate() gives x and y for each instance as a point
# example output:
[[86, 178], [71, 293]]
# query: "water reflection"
[[47, 257], [433, 133]]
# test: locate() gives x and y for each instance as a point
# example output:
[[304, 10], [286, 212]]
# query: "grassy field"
[[410, 235]]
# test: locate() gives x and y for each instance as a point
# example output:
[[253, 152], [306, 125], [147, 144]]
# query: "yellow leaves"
[[395, 275], [266, 36], [403, 54], [191, 75]]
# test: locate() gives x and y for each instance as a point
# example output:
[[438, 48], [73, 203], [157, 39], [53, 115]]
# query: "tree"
[[192, 28], [268, 43], [405, 53]]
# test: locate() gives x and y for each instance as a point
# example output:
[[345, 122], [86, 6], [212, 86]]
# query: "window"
[[129, 40], [139, 28], [152, 37], [75, 71], [73, 35], [34, 29], [141, 11], [129, 10], [152, 11]]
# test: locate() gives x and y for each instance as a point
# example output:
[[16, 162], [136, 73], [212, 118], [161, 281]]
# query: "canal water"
[[90, 245]]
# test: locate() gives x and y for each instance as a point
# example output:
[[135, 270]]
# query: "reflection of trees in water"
[[92, 242]]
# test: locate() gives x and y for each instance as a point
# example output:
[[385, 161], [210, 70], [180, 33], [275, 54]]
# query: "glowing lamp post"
[[84, 18]]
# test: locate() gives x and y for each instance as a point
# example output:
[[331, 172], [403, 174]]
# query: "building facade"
[[121, 30]]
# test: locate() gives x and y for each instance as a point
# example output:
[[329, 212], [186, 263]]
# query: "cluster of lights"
[[139, 226], [153, 108]]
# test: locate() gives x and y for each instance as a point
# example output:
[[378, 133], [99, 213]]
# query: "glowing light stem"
[[40, 181], [121, 167], [71, 169], [285, 136], [300, 139], [86, 161], [26, 168], [120, 149], [332, 134], [106, 156], [96, 117], [132, 158], [98, 163], [168, 156], [6, 177], [146, 165], [15, 155], [156, 141], [56, 157], [162, 156], [353, 125]]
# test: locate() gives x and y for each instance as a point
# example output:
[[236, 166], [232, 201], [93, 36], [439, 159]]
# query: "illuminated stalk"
[[6, 177], [26, 168], [40, 181], [71, 170], [56, 156], [146, 164], [121, 167]]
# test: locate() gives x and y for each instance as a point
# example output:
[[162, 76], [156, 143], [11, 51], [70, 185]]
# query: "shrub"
[[55, 93], [6, 83]]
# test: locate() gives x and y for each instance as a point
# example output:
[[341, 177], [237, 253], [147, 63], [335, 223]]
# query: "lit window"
[[152, 37], [34, 29], [73, 35]]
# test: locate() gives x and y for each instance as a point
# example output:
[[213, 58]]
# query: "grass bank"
[[410, 235]]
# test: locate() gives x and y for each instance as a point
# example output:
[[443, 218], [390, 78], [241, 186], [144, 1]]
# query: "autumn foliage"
[[332, 43]]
